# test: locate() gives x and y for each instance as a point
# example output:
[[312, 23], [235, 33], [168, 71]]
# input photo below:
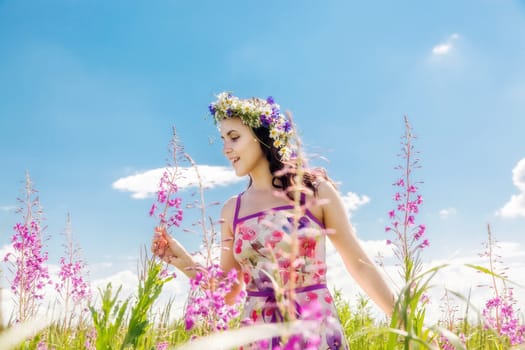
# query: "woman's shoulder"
[[326, 191], [324, 186], [228, 208], [227, 214]]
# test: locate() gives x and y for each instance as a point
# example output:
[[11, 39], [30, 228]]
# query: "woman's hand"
[[172, 252]]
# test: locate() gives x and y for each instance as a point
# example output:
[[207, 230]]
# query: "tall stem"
[[406, 252]]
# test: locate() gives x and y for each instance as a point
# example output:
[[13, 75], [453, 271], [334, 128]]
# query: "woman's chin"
[[239, 171]]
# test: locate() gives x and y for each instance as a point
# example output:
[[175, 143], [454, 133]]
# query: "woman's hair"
[[284, 178]]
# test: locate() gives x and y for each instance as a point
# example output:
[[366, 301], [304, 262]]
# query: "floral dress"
[[262, 244]]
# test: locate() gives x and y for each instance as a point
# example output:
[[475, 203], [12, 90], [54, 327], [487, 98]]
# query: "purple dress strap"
[[236, 215]]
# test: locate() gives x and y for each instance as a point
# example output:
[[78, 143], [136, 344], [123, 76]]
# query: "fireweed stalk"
[[407, 244], [448, 321], [167, 207], [499, 313], [72, 286], [293, 196], [285, 296], [408, 239], [28, 261]]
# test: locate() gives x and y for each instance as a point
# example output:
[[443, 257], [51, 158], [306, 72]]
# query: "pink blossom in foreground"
[[163, 345], [28, 259], [207, 302], [499, 314]]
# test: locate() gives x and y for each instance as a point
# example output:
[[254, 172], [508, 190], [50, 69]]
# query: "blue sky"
[[89, 92]]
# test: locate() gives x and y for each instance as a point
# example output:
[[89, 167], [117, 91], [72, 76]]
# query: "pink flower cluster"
[[171, 214], [500, 315], [409, 236], [207, 301], [445, 344], [72, 280], [403, 216], [42, 345], [163, 345], [31, 273], [310, 340]]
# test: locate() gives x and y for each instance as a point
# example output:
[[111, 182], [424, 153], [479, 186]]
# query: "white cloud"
[[516, 205], [510, 249], [174, 294], [455, 276], [7, 208], [445, 213], [375, 248], [444, 48], [441, 49], [353, 201], [145, 184]]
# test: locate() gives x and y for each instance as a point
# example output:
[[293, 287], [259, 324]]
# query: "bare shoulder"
[[228, 209], [228, 212], [326, 190]]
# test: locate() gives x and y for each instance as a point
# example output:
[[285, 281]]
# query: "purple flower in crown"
[[265, 121], [270, 100], [287, 126]]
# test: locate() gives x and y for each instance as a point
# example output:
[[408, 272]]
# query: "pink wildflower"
[[407, 232], [206, 304], [171, 214], [28, 261], [163, 345]]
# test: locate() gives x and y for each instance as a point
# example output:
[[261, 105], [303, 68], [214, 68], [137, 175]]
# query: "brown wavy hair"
[[284, 178]]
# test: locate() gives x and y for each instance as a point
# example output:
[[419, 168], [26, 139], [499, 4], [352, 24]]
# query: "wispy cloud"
[[353, 201], [145, 184], [445, 47], [516, 205], [456, 275], [7, 208], [447, 212]]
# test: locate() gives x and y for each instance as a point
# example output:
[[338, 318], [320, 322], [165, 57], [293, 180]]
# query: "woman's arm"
[[228, 262], [356, 261], [172, 252]]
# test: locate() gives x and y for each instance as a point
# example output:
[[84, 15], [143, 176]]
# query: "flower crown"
[[256, 112]]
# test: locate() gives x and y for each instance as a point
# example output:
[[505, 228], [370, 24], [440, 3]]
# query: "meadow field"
[[103, 319]]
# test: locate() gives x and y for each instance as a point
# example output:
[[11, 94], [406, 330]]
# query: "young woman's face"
[[240, 146]]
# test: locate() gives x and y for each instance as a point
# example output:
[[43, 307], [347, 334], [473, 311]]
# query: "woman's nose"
[[226, 148]]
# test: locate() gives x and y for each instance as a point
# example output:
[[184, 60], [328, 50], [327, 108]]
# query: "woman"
[[277, 257]]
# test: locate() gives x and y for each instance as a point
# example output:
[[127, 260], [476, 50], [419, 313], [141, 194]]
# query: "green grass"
[[115, 316]]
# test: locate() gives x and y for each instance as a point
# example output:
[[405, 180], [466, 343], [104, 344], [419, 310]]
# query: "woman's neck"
[[262, 179]]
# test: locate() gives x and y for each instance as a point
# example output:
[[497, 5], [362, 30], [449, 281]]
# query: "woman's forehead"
[[227, 125]]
